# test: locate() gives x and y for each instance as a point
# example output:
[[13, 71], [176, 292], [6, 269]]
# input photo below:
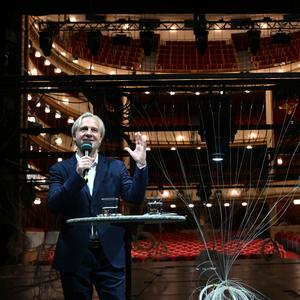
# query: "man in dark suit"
[[76, 188]]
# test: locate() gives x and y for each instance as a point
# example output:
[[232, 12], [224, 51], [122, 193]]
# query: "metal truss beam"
[[128, 25], [151, 82]]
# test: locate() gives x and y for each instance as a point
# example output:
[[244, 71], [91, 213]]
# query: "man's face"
[[88, 131]]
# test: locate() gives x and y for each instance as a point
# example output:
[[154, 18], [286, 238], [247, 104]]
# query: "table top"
[[146, 218]]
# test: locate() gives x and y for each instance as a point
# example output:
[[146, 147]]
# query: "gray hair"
[[78, 122]]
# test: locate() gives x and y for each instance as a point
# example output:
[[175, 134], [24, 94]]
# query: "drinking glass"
[[109, 206], [154, 205]]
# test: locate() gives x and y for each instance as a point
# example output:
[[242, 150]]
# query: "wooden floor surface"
[[277, 279]]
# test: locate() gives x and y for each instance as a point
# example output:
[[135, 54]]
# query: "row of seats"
[[289, 239], [270, 54], [129, 56], [276, 57], [171, 246], [184, 55], [188, 247]]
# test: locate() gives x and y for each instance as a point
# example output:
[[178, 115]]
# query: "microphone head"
[[86, 147]]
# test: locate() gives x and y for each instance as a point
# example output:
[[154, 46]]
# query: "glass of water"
[[154, 205], [109, 206]]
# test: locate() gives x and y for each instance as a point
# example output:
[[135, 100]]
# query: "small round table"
[[158, 218], [145, 219]]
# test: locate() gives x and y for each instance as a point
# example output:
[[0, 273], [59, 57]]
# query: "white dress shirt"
[[91, 173]]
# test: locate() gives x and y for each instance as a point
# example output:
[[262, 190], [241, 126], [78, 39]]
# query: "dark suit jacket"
[[69, 196]]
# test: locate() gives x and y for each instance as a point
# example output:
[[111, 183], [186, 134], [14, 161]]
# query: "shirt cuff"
[[141, 165]]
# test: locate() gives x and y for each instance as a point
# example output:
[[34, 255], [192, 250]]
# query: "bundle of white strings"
[[228, 290]]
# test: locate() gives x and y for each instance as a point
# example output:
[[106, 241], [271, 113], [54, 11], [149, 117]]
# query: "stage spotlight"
[[94, 42], [121, 40], [281, 38], [253, 41], [218, 127], [46, 41], [149, 24], [147, 41], [200, 32], [201, 41]]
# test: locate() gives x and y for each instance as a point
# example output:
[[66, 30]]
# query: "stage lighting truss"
[[160, 25]]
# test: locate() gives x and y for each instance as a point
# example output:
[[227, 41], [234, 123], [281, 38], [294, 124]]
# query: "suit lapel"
[[101, 170]]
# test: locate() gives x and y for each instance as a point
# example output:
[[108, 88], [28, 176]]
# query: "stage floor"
[[277, 279]]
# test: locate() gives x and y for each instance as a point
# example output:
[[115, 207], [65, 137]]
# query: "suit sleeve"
[[64, 189], [134, 188]]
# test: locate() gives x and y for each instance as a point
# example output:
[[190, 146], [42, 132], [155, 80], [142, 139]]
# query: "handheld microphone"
[[86, 149]]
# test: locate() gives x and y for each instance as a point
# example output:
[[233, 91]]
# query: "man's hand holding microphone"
[[86, 161]]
